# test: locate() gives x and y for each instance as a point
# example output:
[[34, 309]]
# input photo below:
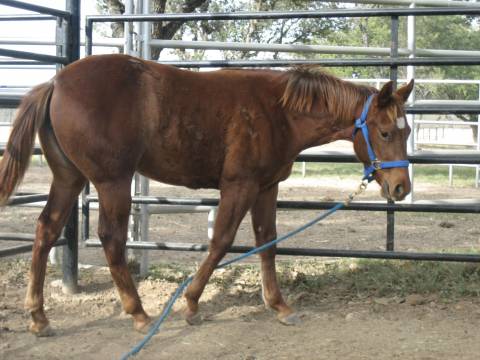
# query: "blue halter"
[[375, 164]]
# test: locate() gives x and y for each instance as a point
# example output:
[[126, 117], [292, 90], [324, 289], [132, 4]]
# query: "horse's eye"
[[385, 135]]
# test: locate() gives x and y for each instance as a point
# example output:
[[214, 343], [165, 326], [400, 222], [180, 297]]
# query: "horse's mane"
[[304, 85]]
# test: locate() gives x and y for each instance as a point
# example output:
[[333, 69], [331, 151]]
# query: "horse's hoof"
[[41, 331], [194, 319], [290, 319], [142, 327]]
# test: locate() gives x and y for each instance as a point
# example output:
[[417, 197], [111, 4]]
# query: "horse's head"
[[380, 140]]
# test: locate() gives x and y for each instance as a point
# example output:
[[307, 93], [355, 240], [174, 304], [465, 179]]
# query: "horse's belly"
[[177, 170]]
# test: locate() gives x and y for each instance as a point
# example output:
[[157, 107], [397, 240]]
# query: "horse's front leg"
[[236, 199], [264, 227]]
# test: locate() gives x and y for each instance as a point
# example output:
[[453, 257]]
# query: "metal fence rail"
[[37, 8], [419, 157], [12, 101], [20, 249], [383, 62], [273, 15], [421, 206], [26, 17], [455, 3], [362, 254], [301, 48], [49, 59]]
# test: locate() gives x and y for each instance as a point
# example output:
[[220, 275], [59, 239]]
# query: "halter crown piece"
[[375, 164]]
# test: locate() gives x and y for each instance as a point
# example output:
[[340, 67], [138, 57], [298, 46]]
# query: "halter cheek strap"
[[375, 164]]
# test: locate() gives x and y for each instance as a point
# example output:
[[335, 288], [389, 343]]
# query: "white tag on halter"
[[401, 122]]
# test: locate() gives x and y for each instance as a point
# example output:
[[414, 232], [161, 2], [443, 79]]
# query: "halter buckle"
[[377, 164]]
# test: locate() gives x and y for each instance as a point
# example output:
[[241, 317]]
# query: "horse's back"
[[115, 114]]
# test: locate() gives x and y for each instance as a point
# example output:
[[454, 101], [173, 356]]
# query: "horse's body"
[[205, 126], [105, 117]]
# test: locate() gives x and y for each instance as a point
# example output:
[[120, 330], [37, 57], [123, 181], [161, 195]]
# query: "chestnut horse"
[[104, 117]]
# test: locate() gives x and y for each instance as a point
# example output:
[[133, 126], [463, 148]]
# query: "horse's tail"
[[31, 114]]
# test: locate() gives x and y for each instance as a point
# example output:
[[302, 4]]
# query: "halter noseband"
[[375, 164]]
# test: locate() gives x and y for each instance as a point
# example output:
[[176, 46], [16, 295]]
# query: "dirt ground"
[[91, 325]]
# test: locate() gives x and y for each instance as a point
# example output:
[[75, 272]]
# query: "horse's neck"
[[322, 127]]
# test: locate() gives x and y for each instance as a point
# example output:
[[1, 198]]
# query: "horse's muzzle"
[[395, 189]]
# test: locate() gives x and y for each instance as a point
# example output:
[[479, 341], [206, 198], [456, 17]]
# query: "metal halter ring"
[[377, 164]]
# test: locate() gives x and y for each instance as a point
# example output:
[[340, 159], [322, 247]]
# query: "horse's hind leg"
[[115, 202], [63, 195], [235, 201], [264, 227]]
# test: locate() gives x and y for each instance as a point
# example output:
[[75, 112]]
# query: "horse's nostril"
[[399, 190]]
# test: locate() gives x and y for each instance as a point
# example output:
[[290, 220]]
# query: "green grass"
[[435, 174], [362, 278], [462, 176], [385, 278]]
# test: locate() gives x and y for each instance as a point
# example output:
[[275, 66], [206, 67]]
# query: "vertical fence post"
[[85, 212], [394, 49], [73, 31], [477, 167], [390, 245], [146, 33], [88, 37], [70, 251], [144, 222], [411, 147], [86, 189], [60, 31]]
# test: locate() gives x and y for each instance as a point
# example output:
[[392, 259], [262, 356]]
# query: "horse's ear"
[[385, 94], [405, 91]]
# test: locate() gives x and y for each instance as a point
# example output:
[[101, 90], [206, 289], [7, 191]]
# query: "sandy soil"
[[91, 325]]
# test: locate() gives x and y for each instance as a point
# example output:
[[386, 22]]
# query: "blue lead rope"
[[168, 307], [375, 164]]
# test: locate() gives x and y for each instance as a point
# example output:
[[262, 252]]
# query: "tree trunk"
[[113, 7], [160, 30], [167, 30]]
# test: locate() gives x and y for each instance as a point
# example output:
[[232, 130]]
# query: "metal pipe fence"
[[273, 15], [26, 17], [362, 254], [20, 249], [43, 10], [424, 206], [409, 2], [68, 50], [394, 60], [300, 48]]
